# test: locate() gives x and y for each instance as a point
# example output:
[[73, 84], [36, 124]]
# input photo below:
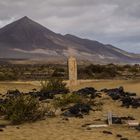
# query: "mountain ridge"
[[27, 39]]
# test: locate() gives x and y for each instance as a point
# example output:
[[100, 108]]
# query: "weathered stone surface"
[[72, 67]]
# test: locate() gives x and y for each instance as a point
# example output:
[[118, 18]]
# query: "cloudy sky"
[[114, 22]]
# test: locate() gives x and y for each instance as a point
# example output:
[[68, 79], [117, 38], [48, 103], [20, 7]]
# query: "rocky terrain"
[[75, 127]]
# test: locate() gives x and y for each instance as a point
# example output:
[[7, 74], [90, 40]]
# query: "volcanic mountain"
[[26, 39]]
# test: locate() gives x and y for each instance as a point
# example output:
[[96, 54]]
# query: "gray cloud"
[[110, 21]]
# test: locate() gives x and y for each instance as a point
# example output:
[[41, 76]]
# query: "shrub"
[[53, 85], [98, 71], [2, 76], [67, 99], [23, 108], [58, 72]]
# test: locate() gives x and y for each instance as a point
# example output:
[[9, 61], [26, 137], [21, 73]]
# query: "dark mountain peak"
[[25, 17], [25, 31], [24, 23], [26, 38], [26, 20]]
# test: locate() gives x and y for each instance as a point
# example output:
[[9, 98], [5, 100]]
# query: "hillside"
[[26, 39]]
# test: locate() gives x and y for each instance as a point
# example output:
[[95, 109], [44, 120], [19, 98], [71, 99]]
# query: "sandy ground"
[[59, 129]]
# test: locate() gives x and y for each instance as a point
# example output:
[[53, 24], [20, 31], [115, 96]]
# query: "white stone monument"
[[72, 69]]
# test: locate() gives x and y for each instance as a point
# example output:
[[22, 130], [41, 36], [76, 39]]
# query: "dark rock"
[[138, 128], [97, 120], [130, 94], [124, 139], [34, 89], [63, 109], [78, 110], [43, 95], [83, 108], [2, 126], [127, 118], [119, 120], [125, 97], [79, 116], [47, 95], [118, 135], [85, 125], [66, 119], [116, 120], [107, 132], [13, 93], [67, 114], [1, 101], [89, 128], [88, 92], [104, 90], [1, 130]]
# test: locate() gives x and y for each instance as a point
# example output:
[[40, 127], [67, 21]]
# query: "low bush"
[[53, 85], [59, 72], [7, 76], [67, 99], [23, 108]]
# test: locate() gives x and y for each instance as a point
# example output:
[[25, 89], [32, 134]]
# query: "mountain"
[[26, 39]]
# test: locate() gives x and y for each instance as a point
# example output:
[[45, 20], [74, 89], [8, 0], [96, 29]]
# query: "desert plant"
[[44, 85], [67, 99], [53, 85], [58, 72], [23, 108]]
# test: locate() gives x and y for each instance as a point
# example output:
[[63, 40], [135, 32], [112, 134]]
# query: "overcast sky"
[[115, 22]]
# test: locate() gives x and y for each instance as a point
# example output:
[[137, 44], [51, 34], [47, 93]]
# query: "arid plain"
[[60, 129]]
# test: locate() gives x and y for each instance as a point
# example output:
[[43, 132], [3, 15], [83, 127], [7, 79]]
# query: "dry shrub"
[[53, 85], [67, 99], [23, 108]]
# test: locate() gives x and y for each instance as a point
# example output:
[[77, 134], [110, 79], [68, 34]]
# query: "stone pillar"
[[72, 68]]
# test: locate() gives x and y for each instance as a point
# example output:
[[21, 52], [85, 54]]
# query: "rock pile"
[[78, 110], [127, 98], [88, 92], [36, 94], [120, 120], [138, 127]]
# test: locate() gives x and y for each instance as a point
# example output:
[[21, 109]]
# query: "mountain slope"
[[27, 39]]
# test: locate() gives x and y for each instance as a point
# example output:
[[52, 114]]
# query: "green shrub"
[[7, 76], [98, 71], [23, 108], [53, 85], [58, 72], [2, 76], [67, 99]]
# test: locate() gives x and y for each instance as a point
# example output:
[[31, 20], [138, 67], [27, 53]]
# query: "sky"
[[115, 22]]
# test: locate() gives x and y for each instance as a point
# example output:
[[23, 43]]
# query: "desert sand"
[[59, 129]]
